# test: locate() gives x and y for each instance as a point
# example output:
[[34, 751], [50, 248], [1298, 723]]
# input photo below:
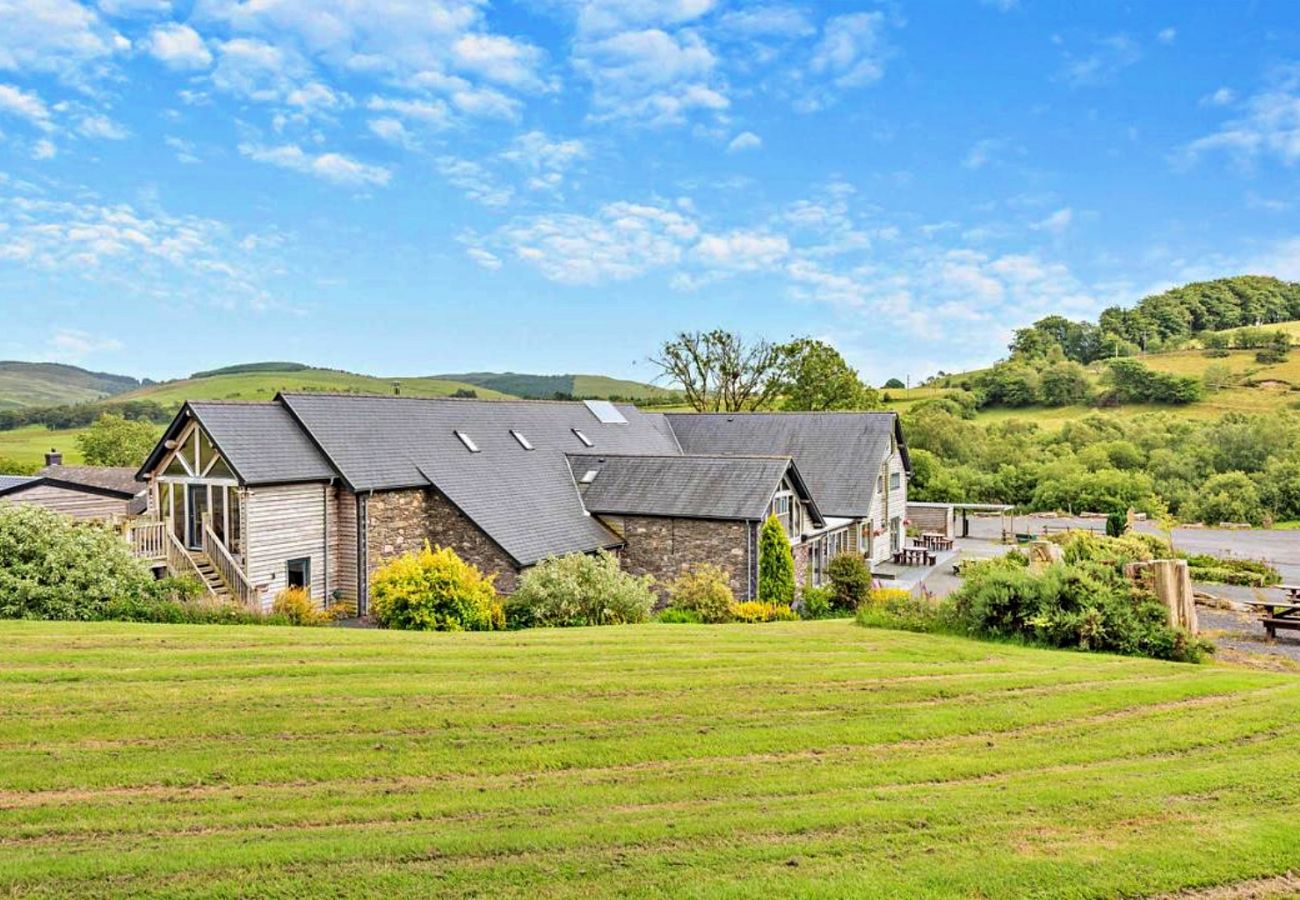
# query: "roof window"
[[523, 441], [467, 441], [589, 476], [586, 441], [605, 412]]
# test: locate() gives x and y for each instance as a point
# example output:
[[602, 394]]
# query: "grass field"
[[28, 445], [801, 758]]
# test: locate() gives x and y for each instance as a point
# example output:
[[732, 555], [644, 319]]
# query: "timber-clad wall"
[[285, 522], [401, 521], [78, 504], [665, 548], [887, 505], [343, 543]]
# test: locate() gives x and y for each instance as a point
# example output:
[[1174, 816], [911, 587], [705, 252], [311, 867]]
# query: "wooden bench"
[[1272, 624], [1278, 614], [1292, 591]]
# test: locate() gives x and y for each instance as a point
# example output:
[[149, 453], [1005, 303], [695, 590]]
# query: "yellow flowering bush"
[[883, 598], [296, 606], [752, 611], [435, 590]]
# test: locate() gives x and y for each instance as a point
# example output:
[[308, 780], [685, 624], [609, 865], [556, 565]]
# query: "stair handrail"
[[179, 560], [230, 571]]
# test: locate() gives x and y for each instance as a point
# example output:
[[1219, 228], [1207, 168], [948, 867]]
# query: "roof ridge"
[[535, 401], [791, 412], [765, 456]]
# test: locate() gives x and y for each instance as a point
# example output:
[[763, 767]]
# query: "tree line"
[[1164, 321]]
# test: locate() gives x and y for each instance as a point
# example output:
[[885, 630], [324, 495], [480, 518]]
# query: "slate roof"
[[108, 478], [838, 454], [703, 487], [261, 442], [525, 500], [13, 482]]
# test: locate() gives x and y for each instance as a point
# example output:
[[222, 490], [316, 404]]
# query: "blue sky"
[[419, 186]]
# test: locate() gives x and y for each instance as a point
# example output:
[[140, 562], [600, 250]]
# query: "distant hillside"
[[51, 384], [543, 387], [260, 381]]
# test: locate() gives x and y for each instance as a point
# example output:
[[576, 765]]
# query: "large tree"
[[720, 371], [816, 377], [115, 441]]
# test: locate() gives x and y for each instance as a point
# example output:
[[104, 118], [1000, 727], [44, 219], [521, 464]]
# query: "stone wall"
[[665, 548], [401, 521], [802, 553]]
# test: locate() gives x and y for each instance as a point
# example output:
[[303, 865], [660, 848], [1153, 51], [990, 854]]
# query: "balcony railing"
[[148, 539]]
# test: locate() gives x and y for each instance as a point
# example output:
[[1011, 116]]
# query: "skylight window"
[[589, 476], [605, 412], [586, 441], [468, 442], [523, 441]]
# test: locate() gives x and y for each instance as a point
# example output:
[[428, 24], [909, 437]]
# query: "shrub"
[[899, 609], [705, 591], [815, 602], [54, 568], [577, 590], [434, 590], [754, 611], [296, 607], [1089, 606], [850, 580], [671, 616], [775, 564], [1246, 572]]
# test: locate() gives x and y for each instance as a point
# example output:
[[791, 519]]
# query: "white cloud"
[[746, 140], [475, 180], [768, 21], [390, 129], [44, 149], [485, 259], [610, 16], [178, 46], [1167, 35], [1268, 126], [500, 59], [1002, 5], [72, 346], [135, 252], [26, 105], [851, 51], [257, 70], [1102, 64], [651, 76], [101, 126], [620, 242], [60, 37], [131, 8], [333, 167], [427, 112], [185, 150], [742, 250], [1224, 96], [982, 152], [1057, 222]]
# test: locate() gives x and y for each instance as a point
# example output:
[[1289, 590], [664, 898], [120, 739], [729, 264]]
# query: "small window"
[[586, 441], [523, 441], [895, 481], [298, 573], [880, 483], [468, 442], [589, 476]]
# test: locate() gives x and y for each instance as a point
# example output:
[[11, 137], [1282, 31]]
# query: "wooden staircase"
[[210, 575]]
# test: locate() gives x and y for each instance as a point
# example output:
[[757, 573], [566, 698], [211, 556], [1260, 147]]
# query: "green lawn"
[[814, 758], [29, 445]]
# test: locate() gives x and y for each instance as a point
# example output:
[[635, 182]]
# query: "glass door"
[[196, 509]]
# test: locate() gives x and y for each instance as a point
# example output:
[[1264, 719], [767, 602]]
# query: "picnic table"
[[1280, 614], [914, 556], [933, 540]]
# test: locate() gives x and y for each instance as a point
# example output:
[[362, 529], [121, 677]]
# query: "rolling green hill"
[[543, 387], [246, 383], [51, 384], [1254, 387]]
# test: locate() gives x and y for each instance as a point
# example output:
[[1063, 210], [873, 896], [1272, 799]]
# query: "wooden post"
[[1171, 581]]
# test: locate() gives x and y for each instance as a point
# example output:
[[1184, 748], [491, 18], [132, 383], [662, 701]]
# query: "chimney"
[[54, 458]]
